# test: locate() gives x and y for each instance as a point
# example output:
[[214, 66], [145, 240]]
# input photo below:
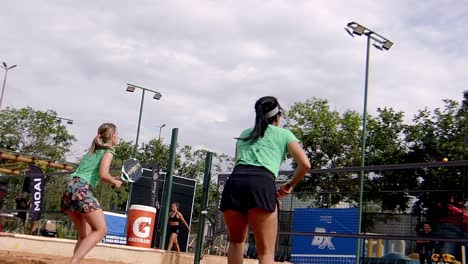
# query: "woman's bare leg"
[[171, 241], [236, 224], [264, 225], [97, 222]]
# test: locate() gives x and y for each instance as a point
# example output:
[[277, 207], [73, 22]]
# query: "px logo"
[[141, 227], [321, 241]]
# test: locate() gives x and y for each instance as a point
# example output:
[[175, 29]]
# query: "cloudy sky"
[[212, 59]]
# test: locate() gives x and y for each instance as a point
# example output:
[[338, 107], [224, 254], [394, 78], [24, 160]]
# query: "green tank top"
[[88, 169], [268, 151]]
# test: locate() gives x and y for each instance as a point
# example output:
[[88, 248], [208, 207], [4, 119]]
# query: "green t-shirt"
[[88, 169], [268, 151]]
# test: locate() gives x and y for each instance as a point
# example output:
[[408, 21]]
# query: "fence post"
[[204, 205], [168, 186]]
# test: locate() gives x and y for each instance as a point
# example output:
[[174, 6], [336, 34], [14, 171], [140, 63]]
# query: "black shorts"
[[174, 229], [249, 187]]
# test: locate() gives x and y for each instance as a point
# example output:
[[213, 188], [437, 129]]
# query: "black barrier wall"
[[183, 192]]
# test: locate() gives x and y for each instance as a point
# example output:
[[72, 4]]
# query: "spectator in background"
[[425, 247], [3, 193], [175, 218], [22, 205]]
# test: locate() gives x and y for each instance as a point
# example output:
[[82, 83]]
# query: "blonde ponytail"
[[103, 139]]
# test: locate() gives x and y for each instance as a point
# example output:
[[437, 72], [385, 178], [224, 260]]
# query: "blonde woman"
[[78, 200]]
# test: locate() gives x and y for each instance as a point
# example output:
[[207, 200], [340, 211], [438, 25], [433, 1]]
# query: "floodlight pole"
[[203, 208], [160, 129], [363, 151], [131, 88], [5, 66], [168, 188], [386, 44], [135, 150], [465, 147]]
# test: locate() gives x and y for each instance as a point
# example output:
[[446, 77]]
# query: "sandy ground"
[[10, 257]]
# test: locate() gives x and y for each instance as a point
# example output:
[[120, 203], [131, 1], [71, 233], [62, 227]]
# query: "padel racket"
[[131, 170]]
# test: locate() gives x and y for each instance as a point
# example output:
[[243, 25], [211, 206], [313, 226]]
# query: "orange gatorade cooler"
[[140, 224]]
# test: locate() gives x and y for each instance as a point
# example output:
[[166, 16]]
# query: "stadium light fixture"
[[157, 96], [130, 88], [69, 121]]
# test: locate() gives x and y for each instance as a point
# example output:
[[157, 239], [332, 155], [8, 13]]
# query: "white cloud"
[[211, 60]]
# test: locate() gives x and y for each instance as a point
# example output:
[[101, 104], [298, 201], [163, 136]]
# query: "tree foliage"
[[386, 145], [434, 135], [34, 132], [330, 140]]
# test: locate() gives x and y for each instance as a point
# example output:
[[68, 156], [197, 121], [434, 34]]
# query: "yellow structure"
[[14, 163]]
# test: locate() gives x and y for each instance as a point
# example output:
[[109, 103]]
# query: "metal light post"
[[5, 66], [160, 128], [381, 43], [157, 95]]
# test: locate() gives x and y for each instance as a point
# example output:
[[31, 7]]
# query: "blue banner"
[[323, 249], [116, 231]]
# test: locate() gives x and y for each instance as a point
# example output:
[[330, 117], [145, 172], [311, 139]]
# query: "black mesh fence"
[[321, 222]]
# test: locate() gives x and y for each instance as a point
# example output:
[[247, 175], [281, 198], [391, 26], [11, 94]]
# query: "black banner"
[[220, 227], [36, 187], [154, 188]]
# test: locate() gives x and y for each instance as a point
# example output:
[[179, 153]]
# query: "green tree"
[[156, 152], [386, 145], [330, 140], [192, 163], [193, 166], [123, 151], [435, 135], [34, 132]]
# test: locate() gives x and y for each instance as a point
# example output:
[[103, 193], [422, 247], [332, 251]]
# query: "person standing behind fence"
[[78, 200], [249, 196], [425, 247], [175, 217]]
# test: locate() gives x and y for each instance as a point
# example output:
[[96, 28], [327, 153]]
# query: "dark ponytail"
[[266, 111]]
